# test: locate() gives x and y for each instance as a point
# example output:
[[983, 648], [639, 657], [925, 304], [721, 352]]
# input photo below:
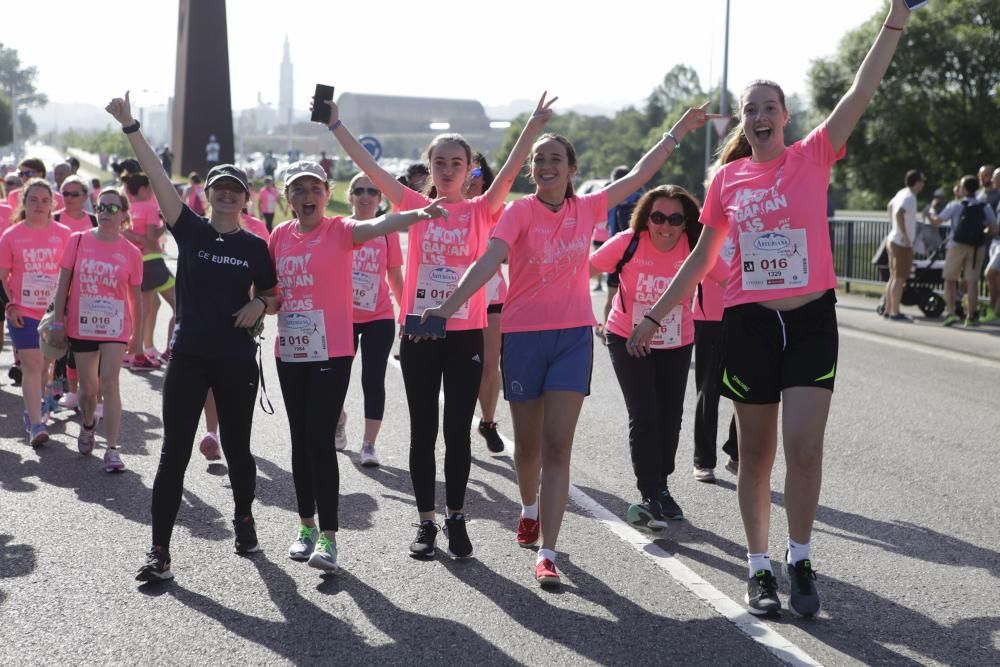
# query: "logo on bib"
[[363, 281], [771, 242], [444, 275], [298, 323]]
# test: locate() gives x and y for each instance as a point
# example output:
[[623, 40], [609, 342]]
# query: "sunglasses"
[[25, 174], [477, 172], [371, 192], [72, 194], [110, 208], [674, 219]]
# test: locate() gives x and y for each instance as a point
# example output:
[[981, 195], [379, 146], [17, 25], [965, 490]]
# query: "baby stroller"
[[920, 288]]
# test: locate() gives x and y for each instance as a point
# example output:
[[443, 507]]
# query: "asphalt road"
[[905, 541]]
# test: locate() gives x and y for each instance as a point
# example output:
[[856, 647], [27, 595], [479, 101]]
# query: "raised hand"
[[334, 111], [121, 110], [434, 210], [694, 118], [543, 111]]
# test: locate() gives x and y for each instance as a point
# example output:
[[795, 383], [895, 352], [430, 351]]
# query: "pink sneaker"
[[113, 462], [144, 363], [545, 573], [210, 448], [527, 532]]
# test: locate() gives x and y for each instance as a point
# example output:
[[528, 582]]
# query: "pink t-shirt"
[[144, 214], [372, 261], [6, 213], [314, 277], [33, 256], [775, 212], [437, 254], [267, 200], [643, 280], [75, 224], [549, 273], [712, 306], [255, 226], [98, 306], [195, 198]]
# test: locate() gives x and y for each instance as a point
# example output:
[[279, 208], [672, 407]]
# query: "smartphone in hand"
[[913, 4], [321, 110], [434, 326]]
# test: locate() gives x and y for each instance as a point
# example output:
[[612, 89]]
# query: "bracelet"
[[336, 125], [670, 135], [651, 320], [258, 297], [892, 27], [9, 306], [56, 325], [129, 129]]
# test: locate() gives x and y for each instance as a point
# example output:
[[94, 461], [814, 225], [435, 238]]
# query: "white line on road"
[[924, 348], [752, 627]]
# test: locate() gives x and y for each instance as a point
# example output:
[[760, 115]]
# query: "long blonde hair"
[[736, 145]]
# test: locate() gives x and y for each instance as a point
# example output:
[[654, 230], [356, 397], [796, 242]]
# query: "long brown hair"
[[20, 213], [689, 203], [570, 156], [736, 146]]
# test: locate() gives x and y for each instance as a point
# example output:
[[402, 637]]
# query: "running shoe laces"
[[762, 593], [459, 545], [489, 432], [423, 545], [803, 597]]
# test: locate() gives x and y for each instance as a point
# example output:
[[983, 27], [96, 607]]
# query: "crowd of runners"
[[744, 279]]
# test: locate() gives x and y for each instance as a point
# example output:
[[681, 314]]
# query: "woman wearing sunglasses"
[[99, 292], [663, 229], [377, 269], [75, 216], [548, 321], [30, 252]]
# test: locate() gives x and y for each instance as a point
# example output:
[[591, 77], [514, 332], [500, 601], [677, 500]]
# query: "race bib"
[[434, 285], [102, 317], [365, 290], [493, 288], [777, 259], [669, 333], [302, 336], [37, 289]]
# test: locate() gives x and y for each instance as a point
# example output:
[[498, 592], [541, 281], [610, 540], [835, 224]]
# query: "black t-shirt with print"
[[214, 275]]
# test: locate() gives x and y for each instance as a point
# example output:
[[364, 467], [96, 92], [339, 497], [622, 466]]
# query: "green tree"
[[937, 108], [19, 81]]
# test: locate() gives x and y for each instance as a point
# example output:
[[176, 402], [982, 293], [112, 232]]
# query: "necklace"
[[220, 234], [553, 207]]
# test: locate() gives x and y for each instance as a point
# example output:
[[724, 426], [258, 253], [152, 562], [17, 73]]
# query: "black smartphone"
[[913, 4], [321, 110], [434, 326]]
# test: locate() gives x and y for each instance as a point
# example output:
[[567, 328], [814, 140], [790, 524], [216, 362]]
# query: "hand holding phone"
[[320, 108], [434, 327]]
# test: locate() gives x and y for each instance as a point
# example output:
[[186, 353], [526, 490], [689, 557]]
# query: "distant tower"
[[287, 90]]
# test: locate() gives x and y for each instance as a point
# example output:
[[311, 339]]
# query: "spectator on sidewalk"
[[988, 191], [969, 218], [899, 245]]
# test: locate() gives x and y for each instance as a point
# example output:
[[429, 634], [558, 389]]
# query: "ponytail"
[[735, 146]]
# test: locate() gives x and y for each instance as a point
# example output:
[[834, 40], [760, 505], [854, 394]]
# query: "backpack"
[[970, 228], [621, 215]]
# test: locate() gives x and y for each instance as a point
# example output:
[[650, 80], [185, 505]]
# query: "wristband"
[[336, 125], [670, 135], [9, 306], [891, 27], [261, 299], [129, 129], [56, 325], [652, 320]]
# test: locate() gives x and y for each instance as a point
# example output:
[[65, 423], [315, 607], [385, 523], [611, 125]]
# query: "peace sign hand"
[[543, 111]]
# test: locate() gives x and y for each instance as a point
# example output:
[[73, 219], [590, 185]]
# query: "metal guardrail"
[[859, 254]]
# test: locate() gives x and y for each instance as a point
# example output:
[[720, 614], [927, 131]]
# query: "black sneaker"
[[459, 545], [246, 535], [489, 432], [156, 567], [669, 506], [423, 545], [647, 515], [762, 594], [15, 375], [803, 598]]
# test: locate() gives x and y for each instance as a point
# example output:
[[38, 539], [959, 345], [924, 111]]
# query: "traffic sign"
[[372, 145]]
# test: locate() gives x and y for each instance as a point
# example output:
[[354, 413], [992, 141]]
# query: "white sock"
[[797, 552], [530, 511], [758, 562], [546, 553]]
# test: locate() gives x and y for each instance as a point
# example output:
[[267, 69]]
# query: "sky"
[[588, 53]]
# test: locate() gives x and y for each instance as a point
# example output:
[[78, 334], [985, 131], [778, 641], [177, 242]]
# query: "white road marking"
[[924, 348]]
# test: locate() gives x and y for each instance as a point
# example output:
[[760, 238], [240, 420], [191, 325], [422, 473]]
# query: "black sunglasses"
[[25, 174], [110, 208], [371, 192], [674, 219], [73, 194]]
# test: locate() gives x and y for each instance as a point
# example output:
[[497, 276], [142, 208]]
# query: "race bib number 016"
[[777, 259], [302, 336], [37, 290], [101, 317], [434, 285], [365, 290], [669, 334]]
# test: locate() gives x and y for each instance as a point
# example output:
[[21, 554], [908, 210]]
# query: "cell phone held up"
[[321, 110], [914, 4], [434, 326]]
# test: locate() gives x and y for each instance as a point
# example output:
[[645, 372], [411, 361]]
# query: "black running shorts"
[[765, 351]]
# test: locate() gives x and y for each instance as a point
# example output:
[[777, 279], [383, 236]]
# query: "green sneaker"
[[950, 320], [304, 544], [971, 323], [324, 556], [989, 318]]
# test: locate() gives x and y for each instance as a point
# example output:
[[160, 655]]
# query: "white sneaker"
[[340, 436], [69, 401], [706, 475], [368, 457], [112, 461]]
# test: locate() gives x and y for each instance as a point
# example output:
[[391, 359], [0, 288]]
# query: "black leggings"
[[376, 344], [708, 380], [653, 388], [234, 384], [314, 395], [457, 359], [268, 220]]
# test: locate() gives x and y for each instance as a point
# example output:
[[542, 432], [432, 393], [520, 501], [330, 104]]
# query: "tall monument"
[[202, 99], [286, 92]]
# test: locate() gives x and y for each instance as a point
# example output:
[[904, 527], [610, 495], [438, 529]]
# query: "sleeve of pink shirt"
[[134, 265], [817, 147], [513, 218], [606, 257], [719, 272], [6, 252], [69, 256], [411, 200], [712, 213], [394, 251]]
